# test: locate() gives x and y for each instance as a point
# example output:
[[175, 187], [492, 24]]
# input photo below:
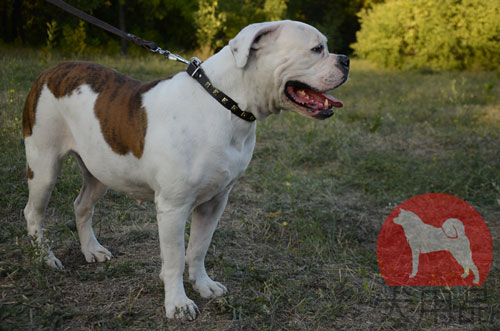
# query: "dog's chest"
[[216, 170]]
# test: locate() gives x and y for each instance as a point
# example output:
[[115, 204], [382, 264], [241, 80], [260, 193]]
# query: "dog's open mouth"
[[312, 103]]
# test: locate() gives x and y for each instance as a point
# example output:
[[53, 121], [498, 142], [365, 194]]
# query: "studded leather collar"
[[194, 70]]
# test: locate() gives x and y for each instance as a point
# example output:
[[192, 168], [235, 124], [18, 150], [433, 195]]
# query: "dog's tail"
[[453, 228]]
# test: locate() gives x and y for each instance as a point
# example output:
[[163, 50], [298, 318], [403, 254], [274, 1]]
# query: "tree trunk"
[[121, 23], [17, 21]]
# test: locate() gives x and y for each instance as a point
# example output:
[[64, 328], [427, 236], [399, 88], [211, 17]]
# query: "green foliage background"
[[445, 34], [396, 34], [180, 25]]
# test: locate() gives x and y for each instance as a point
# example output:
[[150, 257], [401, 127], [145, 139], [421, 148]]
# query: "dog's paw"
[[96, 253], [183, 309], [53, 261], [209, 288]]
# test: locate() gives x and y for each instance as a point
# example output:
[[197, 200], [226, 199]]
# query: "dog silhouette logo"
[[434, 239], [424, 238]]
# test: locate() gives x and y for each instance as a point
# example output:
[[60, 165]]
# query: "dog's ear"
[[248, 39], [402, 212]]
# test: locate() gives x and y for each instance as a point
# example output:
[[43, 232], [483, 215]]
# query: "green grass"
[[296, 245]]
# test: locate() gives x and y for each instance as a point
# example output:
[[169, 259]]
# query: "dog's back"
[[429, 238], [122, 119]]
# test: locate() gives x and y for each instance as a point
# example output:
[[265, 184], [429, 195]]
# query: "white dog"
[[171, 141], [425, 238]]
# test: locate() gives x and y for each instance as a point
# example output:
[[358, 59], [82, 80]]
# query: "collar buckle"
[[194, 66]]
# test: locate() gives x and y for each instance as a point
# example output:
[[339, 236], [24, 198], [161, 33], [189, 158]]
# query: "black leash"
[[149, 45], [194, 65]]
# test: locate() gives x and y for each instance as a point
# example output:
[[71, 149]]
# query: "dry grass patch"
[[296, 246]]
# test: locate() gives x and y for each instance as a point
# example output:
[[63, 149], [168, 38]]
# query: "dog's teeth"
[[301, 92], [326, 103]]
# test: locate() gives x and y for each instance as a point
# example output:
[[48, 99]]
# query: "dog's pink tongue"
[[336, 102]]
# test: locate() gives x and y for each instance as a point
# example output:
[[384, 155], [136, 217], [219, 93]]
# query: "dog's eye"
[[318, 49]]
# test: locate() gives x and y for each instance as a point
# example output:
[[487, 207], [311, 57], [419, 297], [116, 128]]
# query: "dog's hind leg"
[[46, 140], [42, 176], [92, 190], [468, 265]]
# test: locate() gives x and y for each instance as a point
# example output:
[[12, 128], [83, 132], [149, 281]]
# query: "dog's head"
[[406, 217], [297, 68]]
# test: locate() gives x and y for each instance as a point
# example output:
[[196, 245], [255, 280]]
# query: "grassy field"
[[296, 245]]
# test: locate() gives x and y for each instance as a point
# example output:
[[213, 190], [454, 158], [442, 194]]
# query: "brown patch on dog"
[[118, 106], [29, 173], [30, 106]]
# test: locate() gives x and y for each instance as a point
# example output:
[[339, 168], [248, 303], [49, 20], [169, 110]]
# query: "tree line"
[[203, 25], [398, 34]]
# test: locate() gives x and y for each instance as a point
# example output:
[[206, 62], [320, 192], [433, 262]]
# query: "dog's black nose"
[[344, 61]]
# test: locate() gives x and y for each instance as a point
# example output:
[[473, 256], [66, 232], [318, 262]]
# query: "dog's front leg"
[[203, 224], [171, 226], [415, 253]]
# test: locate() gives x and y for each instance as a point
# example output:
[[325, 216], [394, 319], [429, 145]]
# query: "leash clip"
[[174, 57], [152, 47], [170, 56]]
